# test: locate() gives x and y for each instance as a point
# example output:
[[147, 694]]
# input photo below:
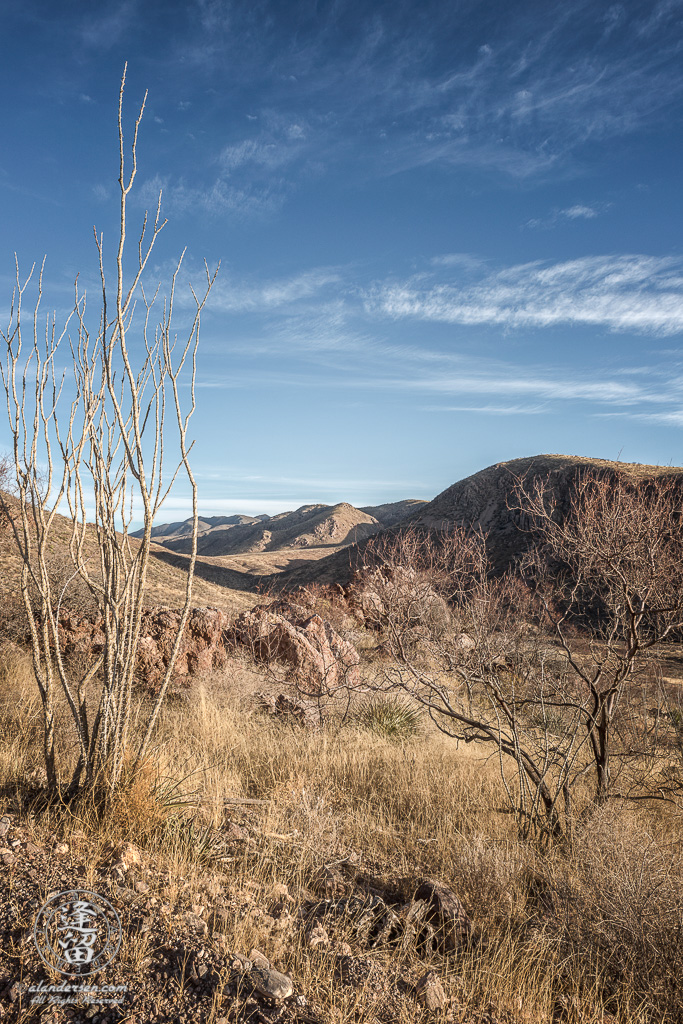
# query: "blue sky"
[[450, 234]]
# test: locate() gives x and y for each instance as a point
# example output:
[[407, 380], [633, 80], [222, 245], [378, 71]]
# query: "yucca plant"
[[395, 718]]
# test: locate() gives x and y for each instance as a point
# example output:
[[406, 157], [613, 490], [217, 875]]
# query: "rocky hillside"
[[166, 581], [306, 527], [394, 511], [486, 501]]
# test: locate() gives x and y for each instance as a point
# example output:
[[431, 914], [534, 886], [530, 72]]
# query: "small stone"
[[280, 908], [7, 858], [317, 936], [241, 963], [258, 959], [271, 984], [31, 849], [429, 992], [60, 849], [197, 924], [141, 887], [14, 843], [13, 992], [129, 856], [446, 913], [5, 825], [232, 831]]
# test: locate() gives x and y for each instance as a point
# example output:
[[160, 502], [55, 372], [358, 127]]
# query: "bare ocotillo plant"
[[103, 431]]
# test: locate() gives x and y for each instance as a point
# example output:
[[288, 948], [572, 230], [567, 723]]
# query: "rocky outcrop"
[[316, 657], [201, 650], [202, 647], [372, 594]]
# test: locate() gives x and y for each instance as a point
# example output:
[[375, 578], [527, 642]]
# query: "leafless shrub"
[[477, 668], [608, 578], [548, 665]]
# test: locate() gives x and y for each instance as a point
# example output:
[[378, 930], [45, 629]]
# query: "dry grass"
[[594, 929]]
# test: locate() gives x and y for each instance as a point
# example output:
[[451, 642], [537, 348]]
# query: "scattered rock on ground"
[[429, 992], [304, 713], [446, 913]]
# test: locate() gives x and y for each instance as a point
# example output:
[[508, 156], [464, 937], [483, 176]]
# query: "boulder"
[[201, 649], [315, 656], [429, 992]]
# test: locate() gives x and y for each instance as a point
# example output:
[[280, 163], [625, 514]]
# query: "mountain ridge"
[[483, 501], [314, 525]]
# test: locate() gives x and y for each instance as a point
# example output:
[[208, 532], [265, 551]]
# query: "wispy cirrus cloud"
[[379, 95], [672, 418], [576, 212], [489, 410], [549, 386], [628, 293], [217, 198], [240, 296], [579, 212], [104, 28]]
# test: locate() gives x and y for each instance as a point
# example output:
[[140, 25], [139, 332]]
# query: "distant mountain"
[[308, 526], [486, 501], [169, 530]]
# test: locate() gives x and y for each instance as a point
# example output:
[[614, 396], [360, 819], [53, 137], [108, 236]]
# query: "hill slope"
[[394, 511], [169, 530], [166, 580], [485, 501]]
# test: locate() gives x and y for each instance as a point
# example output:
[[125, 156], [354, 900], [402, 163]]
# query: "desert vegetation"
[[108, 433], [480, 822]]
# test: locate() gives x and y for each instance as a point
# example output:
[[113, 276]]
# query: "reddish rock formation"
[[316, 657], [201, 650]]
